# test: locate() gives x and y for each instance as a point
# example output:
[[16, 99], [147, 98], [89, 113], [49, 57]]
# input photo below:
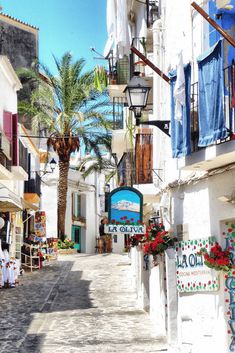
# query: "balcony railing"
[[229, 108], [118, 119], [118, 70], [153, 11], [33, 186]]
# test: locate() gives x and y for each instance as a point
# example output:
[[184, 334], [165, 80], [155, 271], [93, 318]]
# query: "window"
[[76, 205]]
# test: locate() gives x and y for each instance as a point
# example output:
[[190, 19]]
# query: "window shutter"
[[144, 158], [15, 141], [7, 125]]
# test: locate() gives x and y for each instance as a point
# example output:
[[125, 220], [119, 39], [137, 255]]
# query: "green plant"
[[66, 244]]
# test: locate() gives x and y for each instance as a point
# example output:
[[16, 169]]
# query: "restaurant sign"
[[125, 229], [192, 275]]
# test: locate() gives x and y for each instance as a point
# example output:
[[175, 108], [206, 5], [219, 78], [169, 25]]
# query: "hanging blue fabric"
[[180, 132], [211, 93]]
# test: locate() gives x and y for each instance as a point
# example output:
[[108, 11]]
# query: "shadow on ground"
[[55, 288]]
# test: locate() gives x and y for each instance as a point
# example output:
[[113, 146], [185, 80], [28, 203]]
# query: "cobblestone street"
[[82, 303]]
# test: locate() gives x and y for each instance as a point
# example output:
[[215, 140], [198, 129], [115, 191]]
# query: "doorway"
[[76, 237]]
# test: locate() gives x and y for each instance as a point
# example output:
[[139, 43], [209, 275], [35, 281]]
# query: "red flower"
[[230, 230]]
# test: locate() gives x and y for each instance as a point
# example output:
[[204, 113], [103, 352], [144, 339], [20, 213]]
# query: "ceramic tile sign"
[[40, 224], [191, 273], [125, 211]]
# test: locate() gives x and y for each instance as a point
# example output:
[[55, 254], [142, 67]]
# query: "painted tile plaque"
[[192, 275]]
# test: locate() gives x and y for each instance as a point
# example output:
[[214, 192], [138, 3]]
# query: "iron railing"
[[33, 186], [118, 69], [229, 108]]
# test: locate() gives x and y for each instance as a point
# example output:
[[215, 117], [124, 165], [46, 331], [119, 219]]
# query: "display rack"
[[30, 260]]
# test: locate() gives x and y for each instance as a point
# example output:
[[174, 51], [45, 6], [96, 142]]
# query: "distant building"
[[19, 42]]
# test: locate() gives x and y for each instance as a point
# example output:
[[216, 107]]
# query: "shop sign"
[[125, 229], [40, 224], [191, 273], [125, 205]]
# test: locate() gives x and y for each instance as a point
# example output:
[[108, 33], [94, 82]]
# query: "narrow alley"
[[82, 303]]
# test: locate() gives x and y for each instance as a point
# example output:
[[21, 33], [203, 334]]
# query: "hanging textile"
[[211, 93], [179, 89], [180, 130]]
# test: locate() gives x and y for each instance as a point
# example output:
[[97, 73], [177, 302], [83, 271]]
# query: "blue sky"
[[64, 25]]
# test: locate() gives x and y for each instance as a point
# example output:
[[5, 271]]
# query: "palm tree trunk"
[[62, 197]]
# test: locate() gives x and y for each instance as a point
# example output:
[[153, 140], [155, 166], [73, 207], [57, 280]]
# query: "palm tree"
[[106, 165], [73, 113]]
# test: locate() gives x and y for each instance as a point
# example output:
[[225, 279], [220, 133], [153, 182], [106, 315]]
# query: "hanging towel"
[[180, 131], [179, 89], [211, 93], [111, 26]]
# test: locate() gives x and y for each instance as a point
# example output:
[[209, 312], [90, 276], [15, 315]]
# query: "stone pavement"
[[81, 303]]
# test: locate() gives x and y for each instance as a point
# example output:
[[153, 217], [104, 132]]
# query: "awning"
[[29, 205], [9, 201]]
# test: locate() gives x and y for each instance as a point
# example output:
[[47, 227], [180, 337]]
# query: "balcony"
[[32, 189], [118, 75], [221, 152]]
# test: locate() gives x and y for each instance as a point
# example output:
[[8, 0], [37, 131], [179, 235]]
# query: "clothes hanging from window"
[[180, 130], [211, 93]]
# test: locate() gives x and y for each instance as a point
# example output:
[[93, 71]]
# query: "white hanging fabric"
[[179, 89], [123, 39], [141, 24], [111, 25]]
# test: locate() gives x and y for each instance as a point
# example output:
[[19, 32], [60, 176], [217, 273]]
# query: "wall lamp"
[[52, 165], [137, 92]]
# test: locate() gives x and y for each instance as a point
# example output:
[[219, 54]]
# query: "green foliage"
[[67, 104], [66, 244], [100, 78]]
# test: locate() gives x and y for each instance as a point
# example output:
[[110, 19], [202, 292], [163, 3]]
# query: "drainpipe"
[[158, 85]]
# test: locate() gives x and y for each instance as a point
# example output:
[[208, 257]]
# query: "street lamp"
[[137, 92], [52, 167], [52, 164]]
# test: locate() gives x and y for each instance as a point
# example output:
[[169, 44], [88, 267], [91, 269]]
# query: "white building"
[[196, 190], [14, 171], [85, 206]]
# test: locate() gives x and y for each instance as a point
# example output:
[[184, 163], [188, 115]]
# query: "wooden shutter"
[[7, 125], [15, 142], [144, 158]]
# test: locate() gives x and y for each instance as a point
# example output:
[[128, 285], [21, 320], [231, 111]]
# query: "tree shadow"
[[53, 289]]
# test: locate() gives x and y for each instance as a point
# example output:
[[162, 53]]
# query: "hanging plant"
[[100, 78]]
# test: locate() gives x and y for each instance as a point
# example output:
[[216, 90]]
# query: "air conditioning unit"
[[5, 146]]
